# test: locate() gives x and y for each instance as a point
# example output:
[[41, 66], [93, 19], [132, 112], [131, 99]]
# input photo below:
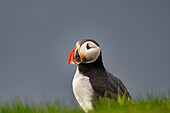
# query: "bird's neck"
[[91, 69]]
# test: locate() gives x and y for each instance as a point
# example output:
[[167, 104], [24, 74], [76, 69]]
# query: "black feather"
[[102, 81]]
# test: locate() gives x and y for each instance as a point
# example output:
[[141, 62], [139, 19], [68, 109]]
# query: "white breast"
[[83, 91]]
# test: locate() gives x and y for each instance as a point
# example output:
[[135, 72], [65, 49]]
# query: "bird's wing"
[[121, 86], [110, 85]]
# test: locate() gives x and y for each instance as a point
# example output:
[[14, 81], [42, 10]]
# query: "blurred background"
[[37, 36]]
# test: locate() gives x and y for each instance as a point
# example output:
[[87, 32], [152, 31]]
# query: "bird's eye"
[[87, 46]]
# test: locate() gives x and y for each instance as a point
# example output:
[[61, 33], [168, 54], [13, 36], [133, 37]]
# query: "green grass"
[[17, 106], [149, 105]]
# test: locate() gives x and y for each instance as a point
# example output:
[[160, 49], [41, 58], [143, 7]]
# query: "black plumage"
[[101, 80]]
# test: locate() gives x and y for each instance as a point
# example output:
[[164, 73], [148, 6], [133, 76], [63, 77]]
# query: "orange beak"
[[71, 59], [75, 57]]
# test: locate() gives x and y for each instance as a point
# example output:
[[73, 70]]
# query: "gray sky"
[[36, 38]]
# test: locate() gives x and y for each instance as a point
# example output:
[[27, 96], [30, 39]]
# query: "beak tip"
[[72, 62]]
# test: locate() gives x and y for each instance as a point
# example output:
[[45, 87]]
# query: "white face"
[[90, 51]]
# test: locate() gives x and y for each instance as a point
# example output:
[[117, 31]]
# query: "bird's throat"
[[89, 69]]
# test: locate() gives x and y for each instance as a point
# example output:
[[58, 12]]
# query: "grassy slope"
[[150, 105]]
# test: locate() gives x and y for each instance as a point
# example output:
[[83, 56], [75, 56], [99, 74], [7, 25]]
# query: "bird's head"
[[86, 51]]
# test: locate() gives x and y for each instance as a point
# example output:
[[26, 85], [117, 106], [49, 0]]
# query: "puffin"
[[91, 79]]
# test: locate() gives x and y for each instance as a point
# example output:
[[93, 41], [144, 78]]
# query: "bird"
[[91, 79]]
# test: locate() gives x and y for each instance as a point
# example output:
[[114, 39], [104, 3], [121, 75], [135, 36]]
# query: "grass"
[[17, 106], [150, 105]]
